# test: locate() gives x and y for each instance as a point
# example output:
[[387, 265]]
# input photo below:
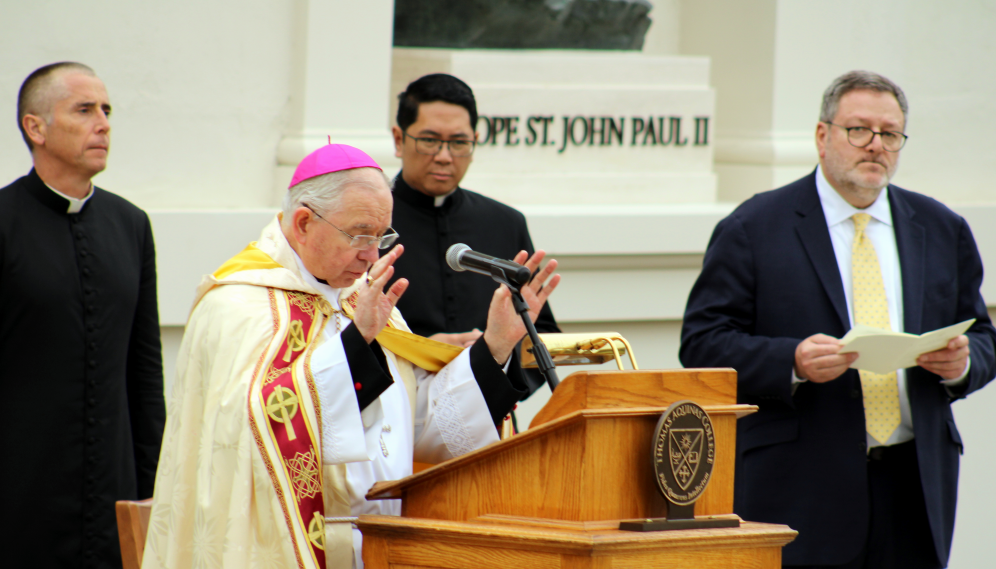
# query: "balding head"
[[42, 89]]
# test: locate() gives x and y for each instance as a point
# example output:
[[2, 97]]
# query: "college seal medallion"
[[684, 450], [682, 454]]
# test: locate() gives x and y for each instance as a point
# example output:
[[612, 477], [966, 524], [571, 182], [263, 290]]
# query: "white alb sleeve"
[[347, 434], [451, 415]]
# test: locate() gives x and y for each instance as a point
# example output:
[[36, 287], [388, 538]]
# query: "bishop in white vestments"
[[299, 385]]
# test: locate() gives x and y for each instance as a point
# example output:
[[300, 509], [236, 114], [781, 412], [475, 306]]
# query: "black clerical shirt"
[[438, 298], [81, 371]]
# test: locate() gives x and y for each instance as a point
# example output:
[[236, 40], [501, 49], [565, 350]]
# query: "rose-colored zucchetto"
[[331, 158]]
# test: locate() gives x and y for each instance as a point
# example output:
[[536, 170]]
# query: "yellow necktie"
[[871, 308]]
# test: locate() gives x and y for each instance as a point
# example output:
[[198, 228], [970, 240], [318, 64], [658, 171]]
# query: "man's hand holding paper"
[[818, 359], [943, 351], [950, 362]]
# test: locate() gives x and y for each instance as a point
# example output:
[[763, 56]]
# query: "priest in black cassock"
[[79, 336], [435, 139]]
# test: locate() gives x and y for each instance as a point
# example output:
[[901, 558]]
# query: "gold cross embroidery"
[[316, 531], [295, 339], [281, 406]]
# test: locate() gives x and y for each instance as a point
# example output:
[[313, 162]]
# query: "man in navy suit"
[[775, 295]]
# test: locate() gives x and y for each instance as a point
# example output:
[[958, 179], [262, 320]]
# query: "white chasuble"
[[264, 401]]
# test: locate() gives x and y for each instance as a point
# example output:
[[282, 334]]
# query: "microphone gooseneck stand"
[[543, 360]]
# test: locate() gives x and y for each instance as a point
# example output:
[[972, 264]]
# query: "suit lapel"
[[812, 230], [911, 243]]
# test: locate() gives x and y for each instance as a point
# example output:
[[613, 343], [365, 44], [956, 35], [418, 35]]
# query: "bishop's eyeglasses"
[[433, 146], [362, 241], [862, 136]]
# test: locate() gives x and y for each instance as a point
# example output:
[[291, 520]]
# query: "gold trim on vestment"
[[257, 435], [308, 376], [312, 443]]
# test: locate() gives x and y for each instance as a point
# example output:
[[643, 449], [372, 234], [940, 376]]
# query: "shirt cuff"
[[953, 385], [796, 379]]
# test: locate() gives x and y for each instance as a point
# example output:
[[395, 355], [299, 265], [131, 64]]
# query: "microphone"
[[513, 275], [460, 258]]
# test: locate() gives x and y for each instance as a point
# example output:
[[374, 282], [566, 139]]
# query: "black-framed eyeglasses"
[[433, 146], [362, 241], [862, 136]]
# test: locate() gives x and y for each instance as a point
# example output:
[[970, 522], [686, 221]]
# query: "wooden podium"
[[554, 495]]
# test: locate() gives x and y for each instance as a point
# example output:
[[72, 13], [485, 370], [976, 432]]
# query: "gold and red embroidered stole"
[[285, 413], [285, 416]]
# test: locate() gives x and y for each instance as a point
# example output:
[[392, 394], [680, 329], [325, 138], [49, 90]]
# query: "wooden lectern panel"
[[553, 496], [587, 456], [590, 465], [629, 389], [400, 543]]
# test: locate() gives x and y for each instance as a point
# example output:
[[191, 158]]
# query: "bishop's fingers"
[[385, 262], [397, 289]]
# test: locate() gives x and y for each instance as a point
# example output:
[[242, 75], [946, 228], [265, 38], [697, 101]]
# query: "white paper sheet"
[[883, 351]]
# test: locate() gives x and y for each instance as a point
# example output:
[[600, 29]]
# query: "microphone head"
[[453, 255]]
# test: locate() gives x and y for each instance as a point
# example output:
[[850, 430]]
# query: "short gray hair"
[[36, 94], [324, 193], [856, 80]]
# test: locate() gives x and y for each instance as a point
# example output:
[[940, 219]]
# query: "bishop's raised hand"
[[374, 305]]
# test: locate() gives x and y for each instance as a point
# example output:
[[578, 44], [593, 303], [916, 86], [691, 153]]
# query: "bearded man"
[[299, 385], [863, 465]]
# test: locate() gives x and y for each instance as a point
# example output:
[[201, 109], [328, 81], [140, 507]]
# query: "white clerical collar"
[[75, 205], [331, 294], [438, 201], [836, 209]]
